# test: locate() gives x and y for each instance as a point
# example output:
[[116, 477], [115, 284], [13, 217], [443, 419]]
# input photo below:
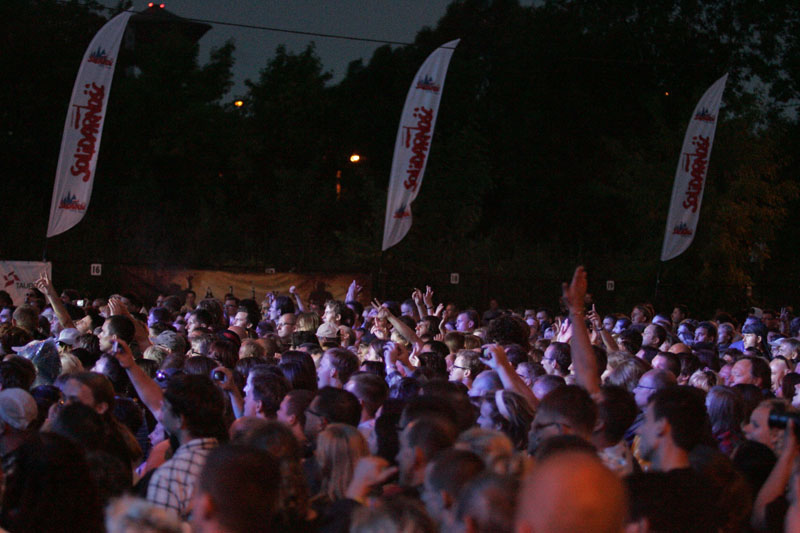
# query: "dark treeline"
[[557, 142]]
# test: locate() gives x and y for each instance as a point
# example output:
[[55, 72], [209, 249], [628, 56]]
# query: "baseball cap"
[[69, 336], [17, 408]]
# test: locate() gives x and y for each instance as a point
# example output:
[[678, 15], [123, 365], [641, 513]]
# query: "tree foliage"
[[556, 143]]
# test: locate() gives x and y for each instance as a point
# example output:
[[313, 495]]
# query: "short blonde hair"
[[704, 379], [156, 353], [251, 348]]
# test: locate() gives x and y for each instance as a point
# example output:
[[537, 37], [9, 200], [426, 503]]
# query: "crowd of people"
[[231, 415]]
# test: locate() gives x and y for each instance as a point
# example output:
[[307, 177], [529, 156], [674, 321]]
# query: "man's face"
[[524, 372], [458, 370], [172, 422], [725, 335], [549, 360], [750, 340], [725, 375], [541, 316], [286, 325], [314, 422], [742, 373], [324, 378], [649, 337], [783, 348], [643, 390], [283, 410], [105, 338], [778, 369], [422, 328], [240, 320], [619, 327], [407, 310], [608, 323], [76, 392], [230, 309], [84, 325], [648, 434], [151, 319], [192, 323], [701, 335], [637, 317], [677, 316], [328, 316], [463, 323], [250, 404], [5, 315], [274, 312]]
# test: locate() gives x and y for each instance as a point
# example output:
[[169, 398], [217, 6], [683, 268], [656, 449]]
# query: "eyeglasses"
[[461, 367]]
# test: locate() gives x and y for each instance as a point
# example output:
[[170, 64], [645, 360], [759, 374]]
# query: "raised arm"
[[148, 390], [142, 336], [608, 339], [353, 291], [494, 356], [584, 361], [45, 284], [297, 299], [406, 332], [417, 297]]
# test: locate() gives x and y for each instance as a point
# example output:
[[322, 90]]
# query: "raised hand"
[[594, 317], [493, 356], [574, 294], [417, 297], [123, 353], [353, 291], [427, 298], [44, 284], [116, 307]]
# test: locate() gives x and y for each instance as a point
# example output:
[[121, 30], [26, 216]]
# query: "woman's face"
[[485, 418]]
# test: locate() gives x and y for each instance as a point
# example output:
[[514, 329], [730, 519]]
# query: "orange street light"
[[238, 103], [355, 158]]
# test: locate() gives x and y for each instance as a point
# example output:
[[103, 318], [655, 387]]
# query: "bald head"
[[563, 494]]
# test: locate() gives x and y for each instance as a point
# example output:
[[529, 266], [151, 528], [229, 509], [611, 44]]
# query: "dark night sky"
[[391, 20]]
